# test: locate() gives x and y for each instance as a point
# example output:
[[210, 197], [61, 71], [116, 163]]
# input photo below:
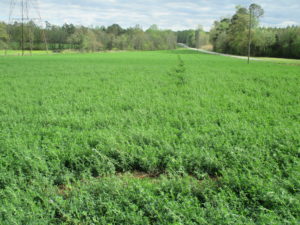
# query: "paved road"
[[215, 53]]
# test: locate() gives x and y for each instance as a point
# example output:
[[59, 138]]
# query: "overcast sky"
[[171, 14]]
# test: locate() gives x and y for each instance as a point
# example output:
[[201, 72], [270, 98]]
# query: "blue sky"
[[172, 14]]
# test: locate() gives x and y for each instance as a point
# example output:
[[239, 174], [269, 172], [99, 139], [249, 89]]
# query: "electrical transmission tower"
[[24, 12]]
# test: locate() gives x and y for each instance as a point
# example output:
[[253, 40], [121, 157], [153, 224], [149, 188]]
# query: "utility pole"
[[22, 19], [249, 35], [24, 22], [255, 12]]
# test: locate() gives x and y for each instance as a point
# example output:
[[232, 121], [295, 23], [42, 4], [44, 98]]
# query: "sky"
[[167, 14]]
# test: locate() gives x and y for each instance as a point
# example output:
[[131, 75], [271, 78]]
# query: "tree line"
[[230, 35], [69, 36], [114, 37]]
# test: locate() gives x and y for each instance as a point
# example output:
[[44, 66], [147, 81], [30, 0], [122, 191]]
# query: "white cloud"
[[174, 14], [287, 23]]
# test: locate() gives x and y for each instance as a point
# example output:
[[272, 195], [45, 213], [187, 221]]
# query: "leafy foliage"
[[110, 138], [230, 35], [82, 38], [3, 36]]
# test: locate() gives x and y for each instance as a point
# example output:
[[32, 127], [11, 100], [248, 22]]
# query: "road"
[[215, 53]]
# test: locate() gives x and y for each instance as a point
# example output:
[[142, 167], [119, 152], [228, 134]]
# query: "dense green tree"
[[262, 41], [3, 36], [237, 32], [115, 29], [218, 35], [83, 38], [231, 35]]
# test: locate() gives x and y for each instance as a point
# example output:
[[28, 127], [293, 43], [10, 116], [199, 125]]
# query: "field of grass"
[[166, 137]]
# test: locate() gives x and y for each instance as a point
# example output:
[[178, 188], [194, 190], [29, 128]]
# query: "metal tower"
[[24, 12]]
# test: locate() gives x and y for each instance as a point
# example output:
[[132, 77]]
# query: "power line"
[[26, 7]]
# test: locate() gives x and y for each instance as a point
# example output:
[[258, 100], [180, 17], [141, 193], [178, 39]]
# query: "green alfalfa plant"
[[179, 72]]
